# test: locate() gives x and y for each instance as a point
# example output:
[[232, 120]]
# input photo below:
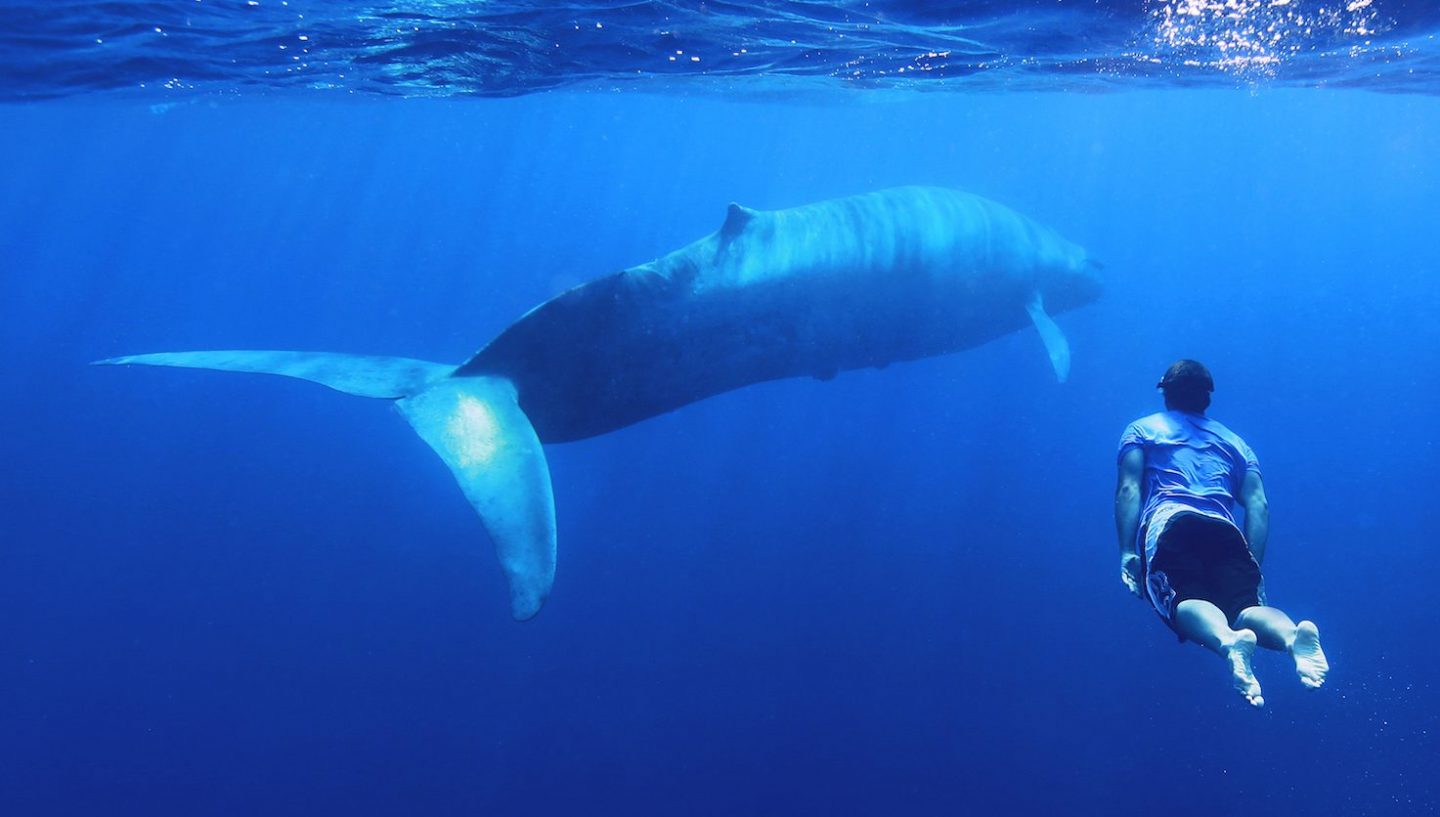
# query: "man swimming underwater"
[[1180, 547]]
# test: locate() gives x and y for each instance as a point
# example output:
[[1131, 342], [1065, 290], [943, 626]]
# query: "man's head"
[[1187, 386]]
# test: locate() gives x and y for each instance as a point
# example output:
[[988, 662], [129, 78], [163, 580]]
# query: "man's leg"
[[1205, 624], [1272, 627], [1276, 631]]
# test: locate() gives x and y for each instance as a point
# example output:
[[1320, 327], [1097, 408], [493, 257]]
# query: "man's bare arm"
[[1127, 515], [1257, 514]]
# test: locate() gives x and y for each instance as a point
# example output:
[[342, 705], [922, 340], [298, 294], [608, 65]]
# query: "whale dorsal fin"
[[736, 217], [1055, 343]]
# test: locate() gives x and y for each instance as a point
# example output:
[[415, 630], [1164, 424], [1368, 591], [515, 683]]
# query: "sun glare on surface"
[[1256, 36]]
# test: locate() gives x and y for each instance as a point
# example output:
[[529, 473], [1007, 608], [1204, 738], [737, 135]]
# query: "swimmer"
[[1181, 474]]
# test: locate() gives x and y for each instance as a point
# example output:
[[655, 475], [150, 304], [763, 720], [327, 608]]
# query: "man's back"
[[1192, 463]]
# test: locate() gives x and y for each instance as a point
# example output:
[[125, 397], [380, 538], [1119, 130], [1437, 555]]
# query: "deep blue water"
[[892, 592]]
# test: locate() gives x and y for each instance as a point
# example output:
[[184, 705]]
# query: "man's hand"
[[1130, 573]]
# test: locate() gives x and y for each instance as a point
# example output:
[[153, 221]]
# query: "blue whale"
[[809, 291]]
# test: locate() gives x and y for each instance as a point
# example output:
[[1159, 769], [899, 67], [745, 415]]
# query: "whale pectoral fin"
[[476, 426], [1055, 343]]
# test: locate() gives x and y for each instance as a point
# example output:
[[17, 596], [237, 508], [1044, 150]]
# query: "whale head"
[[1071, 281]]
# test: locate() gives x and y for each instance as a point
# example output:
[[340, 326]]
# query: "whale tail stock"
[[475, 424]]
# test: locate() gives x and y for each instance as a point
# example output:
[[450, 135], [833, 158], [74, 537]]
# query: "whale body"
[[814, 290]]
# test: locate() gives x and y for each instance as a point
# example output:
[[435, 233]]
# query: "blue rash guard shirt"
[[1193, 464]]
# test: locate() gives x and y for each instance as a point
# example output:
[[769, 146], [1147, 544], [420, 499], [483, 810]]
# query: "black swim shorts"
[[1202, 558]]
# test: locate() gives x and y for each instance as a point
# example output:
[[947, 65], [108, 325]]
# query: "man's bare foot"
[[1310, 663], [1240, 654]]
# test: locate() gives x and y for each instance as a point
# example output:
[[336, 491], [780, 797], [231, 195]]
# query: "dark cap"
[[1187, 375]]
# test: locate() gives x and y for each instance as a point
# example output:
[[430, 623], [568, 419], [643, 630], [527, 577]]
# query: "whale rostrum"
[[809, 291]]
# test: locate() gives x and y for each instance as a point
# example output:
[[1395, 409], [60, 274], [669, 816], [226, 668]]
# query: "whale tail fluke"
[[360, 375], [477, 427], [475, 424]]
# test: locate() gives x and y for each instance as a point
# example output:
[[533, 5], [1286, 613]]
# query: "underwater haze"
[[894, 591]]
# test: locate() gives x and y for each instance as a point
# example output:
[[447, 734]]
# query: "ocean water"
[[891, 592]]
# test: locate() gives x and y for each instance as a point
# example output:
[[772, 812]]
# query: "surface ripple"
[[58, 48]]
